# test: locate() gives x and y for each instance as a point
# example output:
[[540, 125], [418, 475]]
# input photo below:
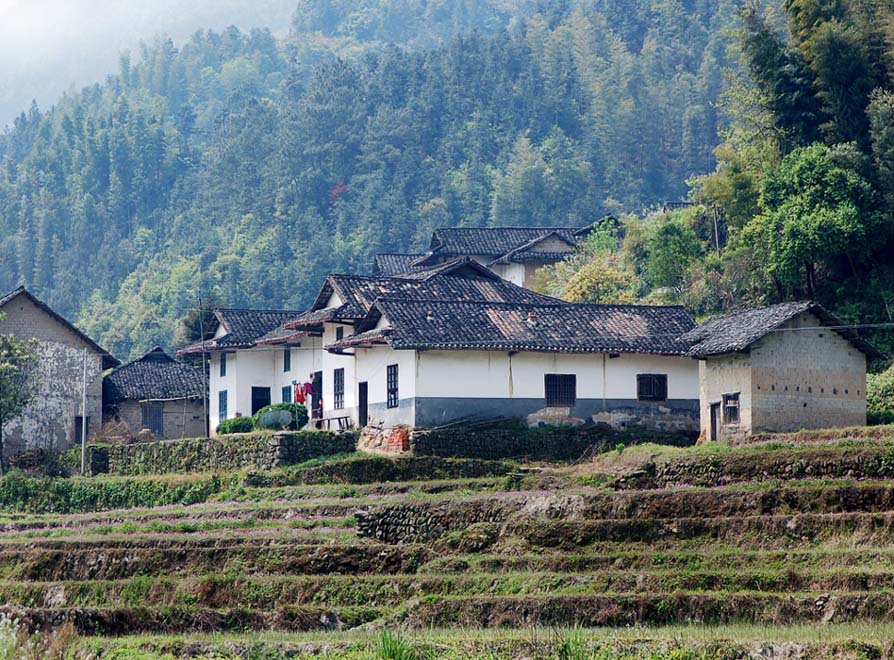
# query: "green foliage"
[[299, 415], [392, 646], [814, 210], [236, 425], [244, 169], [19, 380], [880, 397], [672, 246]]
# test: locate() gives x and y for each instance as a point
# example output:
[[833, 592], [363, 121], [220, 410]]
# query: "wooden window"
[[561, 389], [651, 387], [339, 333], [338, 389], [287, 394], [222, 405], [392, 380], [153, 417], [260, 398], [223, 365], [731, 408], [287, 360]]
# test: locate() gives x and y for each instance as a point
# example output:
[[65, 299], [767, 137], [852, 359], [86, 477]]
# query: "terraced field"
[[766, 551]]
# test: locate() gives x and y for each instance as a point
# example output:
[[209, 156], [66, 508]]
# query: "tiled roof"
[[390, 264], [155, 375], [108, 360], [560, 328], [493, 242], [739, 330], [242, 328], [460, 279]]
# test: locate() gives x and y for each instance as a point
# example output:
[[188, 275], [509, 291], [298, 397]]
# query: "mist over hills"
[[242, 166]]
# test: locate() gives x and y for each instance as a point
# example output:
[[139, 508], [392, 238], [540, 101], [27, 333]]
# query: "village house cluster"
[[453, 336]]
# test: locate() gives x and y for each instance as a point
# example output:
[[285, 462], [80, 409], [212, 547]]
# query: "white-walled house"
[[513, 253], [345, 300], [425, 363], [252, 363]]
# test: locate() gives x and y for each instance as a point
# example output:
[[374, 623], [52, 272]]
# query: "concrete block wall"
[[182, 418], [805, 376]]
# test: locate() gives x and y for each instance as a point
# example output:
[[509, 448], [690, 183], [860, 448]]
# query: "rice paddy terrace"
[[777, 550]]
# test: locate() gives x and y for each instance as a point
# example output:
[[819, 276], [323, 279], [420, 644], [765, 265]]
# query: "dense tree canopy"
[[242, 168]]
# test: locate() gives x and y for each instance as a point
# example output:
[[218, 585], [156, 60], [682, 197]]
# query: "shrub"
[[236, 425], [299, 414], [880, 397]]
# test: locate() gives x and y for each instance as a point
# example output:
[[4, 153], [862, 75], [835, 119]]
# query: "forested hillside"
[[243, 169], [802, 202]]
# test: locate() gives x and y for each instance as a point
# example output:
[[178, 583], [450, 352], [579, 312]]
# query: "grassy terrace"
[[647, 552]]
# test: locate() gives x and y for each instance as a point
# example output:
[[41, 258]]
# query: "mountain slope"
[[242, 168]]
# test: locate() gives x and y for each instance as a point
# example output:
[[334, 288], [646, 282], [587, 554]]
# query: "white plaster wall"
[[372, 367], [331, 362], [514, 273], [246, 368], [482, 374]]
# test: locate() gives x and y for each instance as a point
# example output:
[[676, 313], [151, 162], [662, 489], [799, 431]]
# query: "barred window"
[[222, 405], [731, 408], [287, 394], [153, 417], [338, 394], [651, 387], [223, 365], [287, 360], [393, 398], [561, 389], [339, 333]]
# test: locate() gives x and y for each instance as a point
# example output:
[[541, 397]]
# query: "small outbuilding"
[[779, 369], [157, 393]]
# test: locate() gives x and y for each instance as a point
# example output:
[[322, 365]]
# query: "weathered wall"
[[726, 374], [807, 377], [802, 376], [49, 422], [182, 418], [331, 362], [554, 443], [453, 385], [265, 451]]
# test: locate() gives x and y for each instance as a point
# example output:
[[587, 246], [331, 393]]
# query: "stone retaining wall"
[[264, 451], [556, 444]]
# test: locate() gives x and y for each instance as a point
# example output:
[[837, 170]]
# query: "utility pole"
[[84, 419]]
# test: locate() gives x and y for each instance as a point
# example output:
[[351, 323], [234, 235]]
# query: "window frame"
[[392, 386], [338, 389], [222, 410], [148, 409], [560, 390], [729, 402], [286, 393], [339, 333], [651, 387], [286, 360], [222, 372]]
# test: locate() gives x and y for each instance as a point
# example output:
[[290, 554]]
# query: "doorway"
[[363, 404], [715, 422], [316, 393], [260, 398]]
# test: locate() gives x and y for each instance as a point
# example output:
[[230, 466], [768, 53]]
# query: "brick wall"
[[49, 422], [804, 377], [182, 418]]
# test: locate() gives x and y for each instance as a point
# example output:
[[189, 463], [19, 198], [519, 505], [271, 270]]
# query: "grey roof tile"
[[155, 375]]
